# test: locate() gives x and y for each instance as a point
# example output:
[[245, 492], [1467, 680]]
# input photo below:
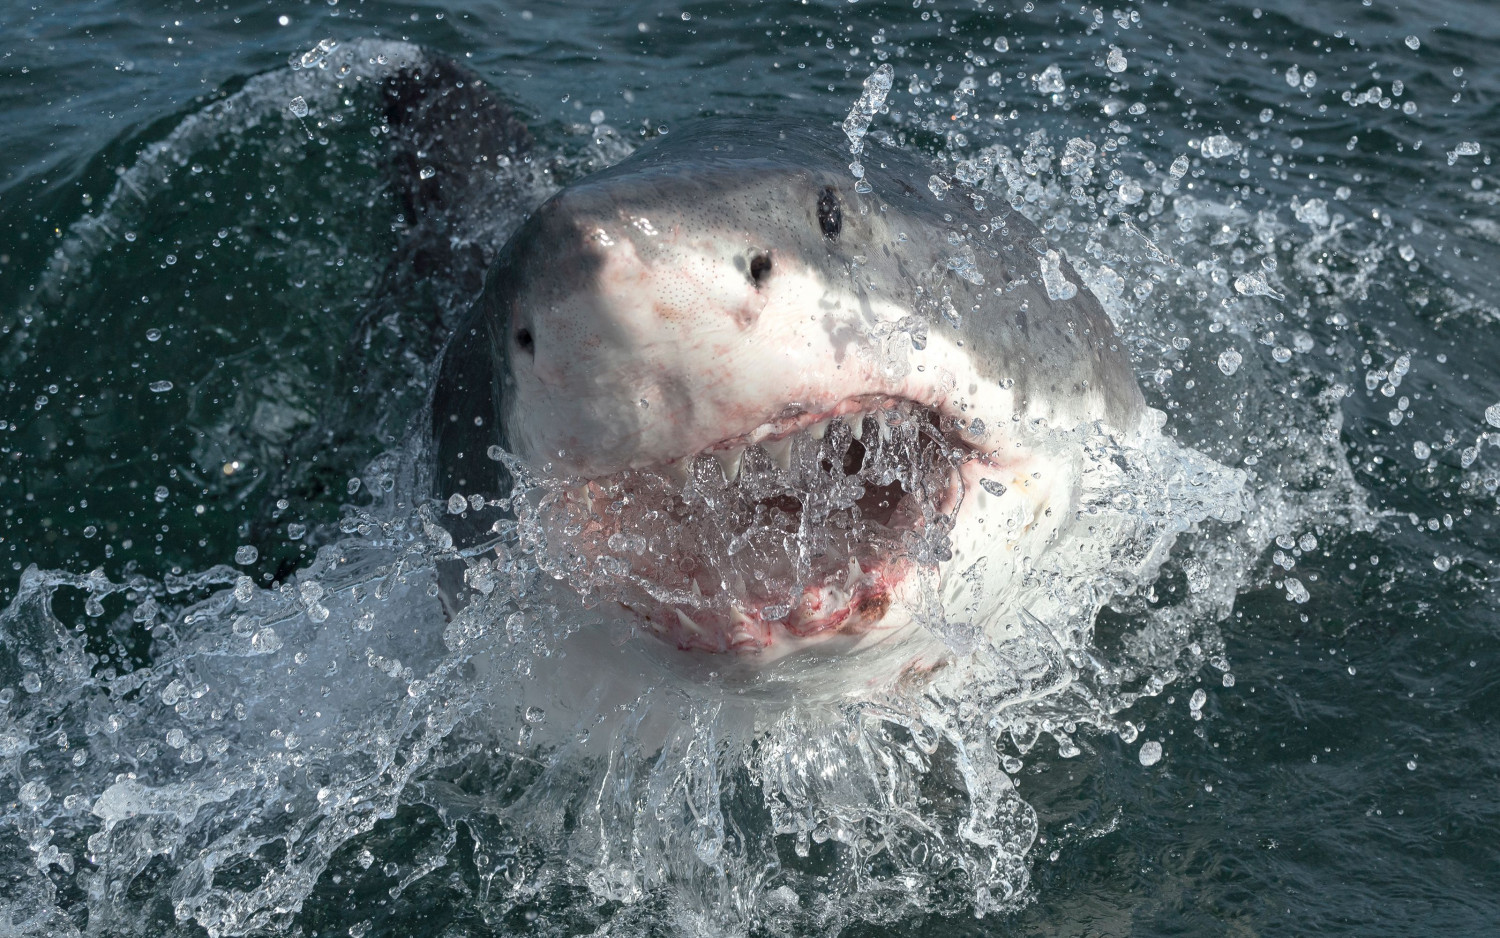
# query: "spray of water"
[[298, 755]]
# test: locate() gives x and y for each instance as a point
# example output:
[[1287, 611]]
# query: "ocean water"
[[230, 704]]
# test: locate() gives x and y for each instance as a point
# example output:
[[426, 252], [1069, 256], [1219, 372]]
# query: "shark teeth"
[[744, 632], [584, 494], [854, 574], [730, 460], [780, 452], [678, 471], [686, 622]]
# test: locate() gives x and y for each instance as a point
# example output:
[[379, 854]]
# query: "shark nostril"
[[760, 269], [525, 342], [830, 215]]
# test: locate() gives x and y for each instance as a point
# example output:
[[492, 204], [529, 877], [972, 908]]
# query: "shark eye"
[[760, 269], [525, 342], [830, 216]]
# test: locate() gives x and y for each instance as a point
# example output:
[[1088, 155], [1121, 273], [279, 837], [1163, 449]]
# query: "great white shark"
[[777, 403]]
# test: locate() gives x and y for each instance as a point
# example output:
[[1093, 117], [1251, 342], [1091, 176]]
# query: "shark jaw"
[[817, 531]]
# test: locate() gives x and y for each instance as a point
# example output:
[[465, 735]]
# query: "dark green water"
[[1348, 782]]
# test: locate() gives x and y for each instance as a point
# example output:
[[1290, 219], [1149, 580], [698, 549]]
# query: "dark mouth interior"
[[875, 507], [752, 534]]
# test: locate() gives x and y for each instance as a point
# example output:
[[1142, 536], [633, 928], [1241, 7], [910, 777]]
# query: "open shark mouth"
[[807, 528]]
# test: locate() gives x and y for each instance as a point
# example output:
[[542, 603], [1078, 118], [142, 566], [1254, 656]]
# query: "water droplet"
[[427, 172], [298, 105], [457, 504], [153, 334], [1116, 60], [35, 794], [1295, 591], [1050, 81], [1253, 283], [1199, 698], [877, 85], [1312, 212], [1219, 146], [315, 56], [1492, 415], [1465, 148], [1413, 43], [1150, 752], [992, 486], [1058, 286], [161, 387], [11, 744], [246, 553], [295, 531], [1229, 361], [161, 493]]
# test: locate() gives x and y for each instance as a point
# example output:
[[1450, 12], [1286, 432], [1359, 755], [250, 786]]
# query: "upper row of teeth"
[[732, 458]]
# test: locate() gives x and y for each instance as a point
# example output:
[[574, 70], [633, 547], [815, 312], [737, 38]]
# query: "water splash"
[[877, 86], [277, 730], [346, 733]]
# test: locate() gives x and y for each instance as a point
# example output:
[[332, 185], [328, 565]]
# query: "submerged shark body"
[[781, 408]]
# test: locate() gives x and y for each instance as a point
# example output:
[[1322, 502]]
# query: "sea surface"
[[212, 374]]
